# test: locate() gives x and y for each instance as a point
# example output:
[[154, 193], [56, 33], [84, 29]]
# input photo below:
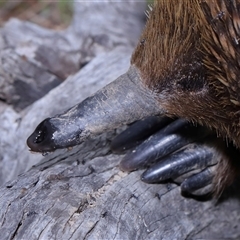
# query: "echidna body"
[[193, 66], [185, 65], [191, 61]]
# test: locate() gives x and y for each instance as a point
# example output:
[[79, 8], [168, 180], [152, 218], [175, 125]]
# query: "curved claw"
[[199, 184], [169, 139], [193, 157], [138, 132]]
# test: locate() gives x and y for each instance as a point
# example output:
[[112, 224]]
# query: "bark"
[[81, 193]]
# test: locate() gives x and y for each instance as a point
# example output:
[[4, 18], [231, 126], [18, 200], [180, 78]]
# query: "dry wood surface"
[[81, 193]]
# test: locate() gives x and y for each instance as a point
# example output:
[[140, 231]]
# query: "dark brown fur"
[[189, 55]]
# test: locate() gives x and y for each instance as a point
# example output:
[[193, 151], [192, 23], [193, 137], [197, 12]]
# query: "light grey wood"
[[68, 198], [81, 193], [25, 43]]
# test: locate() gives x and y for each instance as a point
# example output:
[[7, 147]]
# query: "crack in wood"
[[122, 211], [17, 229], [91, 230], [4, 217]]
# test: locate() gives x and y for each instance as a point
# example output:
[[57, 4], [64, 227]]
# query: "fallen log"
[[81, 193]]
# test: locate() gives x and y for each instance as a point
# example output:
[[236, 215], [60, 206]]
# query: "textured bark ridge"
[[81, 193]]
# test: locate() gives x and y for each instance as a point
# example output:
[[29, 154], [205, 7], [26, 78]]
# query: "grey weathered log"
[[34, 60], [65, 51], [81, 193]]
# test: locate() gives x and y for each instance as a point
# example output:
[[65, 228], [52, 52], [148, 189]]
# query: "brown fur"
[[189, 55]]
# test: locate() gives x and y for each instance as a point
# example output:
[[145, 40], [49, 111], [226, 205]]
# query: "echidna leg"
[[167, 140], [137, 132], [193, 167], [175, 152]]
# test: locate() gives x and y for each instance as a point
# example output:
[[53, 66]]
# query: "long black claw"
[[169, 139], [193, 157], [138, 132], [200, 183]]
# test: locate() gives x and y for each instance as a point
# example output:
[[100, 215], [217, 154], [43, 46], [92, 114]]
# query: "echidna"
[[186, 65]]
